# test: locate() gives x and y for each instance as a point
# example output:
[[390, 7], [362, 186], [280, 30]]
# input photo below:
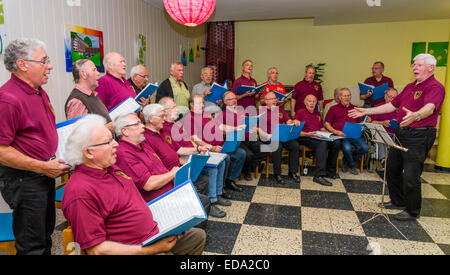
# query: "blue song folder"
[[149, 90], [251, 121], [217, 92], [190, 170], [393, 124], [285, 133], [176, 211], [353, 130], [282, 96], [377, 92], [244, 88], [232, 141]]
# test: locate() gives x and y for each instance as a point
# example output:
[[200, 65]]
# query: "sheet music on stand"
[[379, 135]]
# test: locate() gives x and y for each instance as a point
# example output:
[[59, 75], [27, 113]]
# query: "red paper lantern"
[[190, 12]]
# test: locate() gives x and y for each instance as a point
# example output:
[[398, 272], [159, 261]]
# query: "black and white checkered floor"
[[308, 218]]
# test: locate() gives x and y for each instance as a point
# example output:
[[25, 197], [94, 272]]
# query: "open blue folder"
[[149, 90], [282, 96], [176, 211], [244, 88], [285, 133], [232, 141], [190, 170], [353, 130], [64, 130], [377, 92], [251, 121], [217, 92], [127, 106]]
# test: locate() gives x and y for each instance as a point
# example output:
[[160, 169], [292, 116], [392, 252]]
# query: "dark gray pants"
[[32, 198]]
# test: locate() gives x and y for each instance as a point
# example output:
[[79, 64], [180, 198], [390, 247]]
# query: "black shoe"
[[226, 195], [279, 179], [390, 205], [322, 180], [216, 212], [248, 176], [233, 186], [332, 176], [222, 201], [405, 216], [294, 177]]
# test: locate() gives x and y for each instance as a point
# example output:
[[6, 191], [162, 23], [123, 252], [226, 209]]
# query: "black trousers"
[[254, 155], [403, 169], [32, 198], [324, 165], [292, 147]]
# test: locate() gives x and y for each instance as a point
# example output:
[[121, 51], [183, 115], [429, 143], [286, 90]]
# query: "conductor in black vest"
[[83, 99]]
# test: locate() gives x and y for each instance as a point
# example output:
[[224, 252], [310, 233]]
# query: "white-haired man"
[[169, 152], [138, 78], [113, 88], [176, 88], [103, 206], [418, 106], [28, 142]]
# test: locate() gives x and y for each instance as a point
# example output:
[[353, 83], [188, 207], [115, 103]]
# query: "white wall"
[[120, 20]]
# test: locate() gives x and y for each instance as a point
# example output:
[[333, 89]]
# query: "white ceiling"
[[328, 12]]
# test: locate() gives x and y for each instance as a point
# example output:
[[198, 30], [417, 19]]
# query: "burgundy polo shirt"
[[415, 96], [27, 120], [105, 205], [248, 100], [205, 127], [383, 117], [304, 88], [140, 163], [313, 121], [113, 91], [337, 116], [163, 149], [373, 81], [272, 117], [175, 135]]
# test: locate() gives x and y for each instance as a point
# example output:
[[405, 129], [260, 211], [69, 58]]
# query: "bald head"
[[115, 64]]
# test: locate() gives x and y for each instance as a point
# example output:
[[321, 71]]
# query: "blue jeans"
[[347, 149], [235, 162], [216, 176]]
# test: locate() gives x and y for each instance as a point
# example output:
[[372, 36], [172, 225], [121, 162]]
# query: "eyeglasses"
[[271, 98], [234, 98], [143, 76], [44, 62], [134, 124], [110, 142]]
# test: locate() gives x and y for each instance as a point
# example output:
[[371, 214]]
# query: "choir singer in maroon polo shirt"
[[377, 79], [418, 106], [107, 213], [28, 142]]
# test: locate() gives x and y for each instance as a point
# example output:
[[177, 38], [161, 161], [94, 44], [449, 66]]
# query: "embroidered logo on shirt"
[[156, 156], [316, 87], [169, 139], [51, 107], [417, 94], [120, 173], [280, 115]]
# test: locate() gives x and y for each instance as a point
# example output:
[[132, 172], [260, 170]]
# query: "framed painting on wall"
[[83, 43]]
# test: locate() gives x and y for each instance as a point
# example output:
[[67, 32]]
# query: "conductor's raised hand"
[[357, 112], [409, 118]]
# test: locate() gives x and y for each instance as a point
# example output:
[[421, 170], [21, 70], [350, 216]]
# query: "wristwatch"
[[418, 116]]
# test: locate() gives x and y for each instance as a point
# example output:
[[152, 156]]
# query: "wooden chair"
[[361, 167], [69, 245], [284, 153], [304, 149], [59, 190]]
